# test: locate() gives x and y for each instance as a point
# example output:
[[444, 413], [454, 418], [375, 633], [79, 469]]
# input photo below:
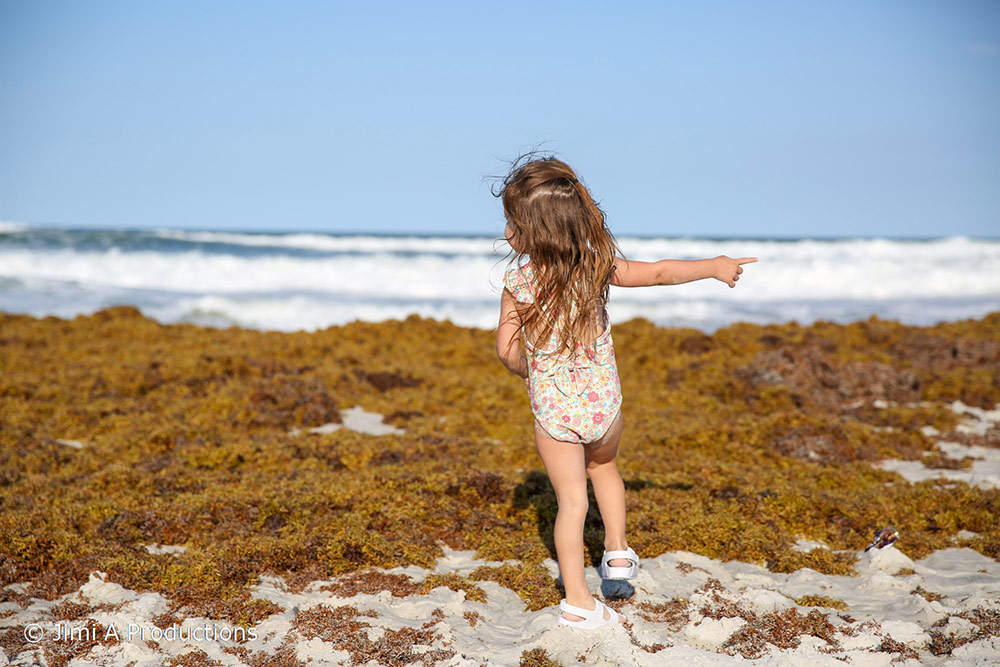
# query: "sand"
[[984, 471], [882, 610], [355, 419]]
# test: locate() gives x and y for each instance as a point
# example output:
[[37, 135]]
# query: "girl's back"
[[553, 221], [523, 284], [555, 294]]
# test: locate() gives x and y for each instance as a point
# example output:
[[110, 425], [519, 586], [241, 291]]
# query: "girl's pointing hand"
[[729, 269]]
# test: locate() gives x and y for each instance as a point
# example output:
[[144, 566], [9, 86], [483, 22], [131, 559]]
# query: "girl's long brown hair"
[[564, 232]]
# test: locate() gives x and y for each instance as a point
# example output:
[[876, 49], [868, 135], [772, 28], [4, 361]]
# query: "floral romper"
[[574, 398]]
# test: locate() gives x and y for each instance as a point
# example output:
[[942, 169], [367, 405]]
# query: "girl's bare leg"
[[566, 466], [609, 490]]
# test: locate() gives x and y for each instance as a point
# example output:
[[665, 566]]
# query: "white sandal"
[[630, 572], [592, 618]]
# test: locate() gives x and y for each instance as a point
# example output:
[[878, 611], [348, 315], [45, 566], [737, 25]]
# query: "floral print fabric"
[[574, 397]]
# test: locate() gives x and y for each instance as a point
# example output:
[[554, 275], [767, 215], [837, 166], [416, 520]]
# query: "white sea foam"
[[7, 227], [309, 280], [373, 275], [326, 242], [297, 312], [804, 271]]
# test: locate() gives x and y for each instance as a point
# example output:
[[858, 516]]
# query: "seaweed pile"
[[120, 435]]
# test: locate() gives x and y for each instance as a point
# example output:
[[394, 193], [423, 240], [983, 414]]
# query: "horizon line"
[[14, 226]]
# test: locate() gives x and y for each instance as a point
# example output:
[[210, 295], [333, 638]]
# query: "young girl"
[[555, 294]]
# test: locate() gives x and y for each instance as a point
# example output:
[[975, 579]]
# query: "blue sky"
[[696, 118]]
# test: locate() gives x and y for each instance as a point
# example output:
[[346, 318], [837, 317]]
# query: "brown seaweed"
[[736, 444]]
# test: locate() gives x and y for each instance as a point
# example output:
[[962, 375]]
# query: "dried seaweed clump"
[[341, 627], [783, 629], [986, 622], [537, 657], [195, 658], [368, 582], [60, 653], [675, 613], [532, 582], [401, 585], [285, 401], [821, 601], [890, 645]]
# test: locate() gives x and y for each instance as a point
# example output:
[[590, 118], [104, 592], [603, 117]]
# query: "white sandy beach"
[[683, 608], [882, 608]]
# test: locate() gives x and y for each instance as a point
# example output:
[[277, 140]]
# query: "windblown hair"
[[562, 230]]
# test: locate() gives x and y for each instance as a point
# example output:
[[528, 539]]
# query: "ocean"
[[291, 281]]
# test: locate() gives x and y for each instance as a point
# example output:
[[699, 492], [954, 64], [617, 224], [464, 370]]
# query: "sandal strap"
[[579, 611], [625, 555], [592, 618]]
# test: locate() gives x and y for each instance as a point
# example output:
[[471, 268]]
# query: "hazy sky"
[[695, 118]]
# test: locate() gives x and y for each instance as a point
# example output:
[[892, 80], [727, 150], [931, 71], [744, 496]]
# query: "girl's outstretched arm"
[[509, 336], [630, 273]]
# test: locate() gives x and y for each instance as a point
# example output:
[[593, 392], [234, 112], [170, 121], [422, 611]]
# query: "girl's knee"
[[574, 505]]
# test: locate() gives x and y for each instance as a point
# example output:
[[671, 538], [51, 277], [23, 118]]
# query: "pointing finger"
[[746, 260]]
